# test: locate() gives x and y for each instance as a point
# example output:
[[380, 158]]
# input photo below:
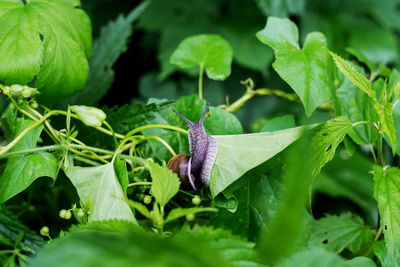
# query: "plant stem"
[[32, 150], [139, 183], [379, 149], [150, 126], [373, 154], [201, 81]]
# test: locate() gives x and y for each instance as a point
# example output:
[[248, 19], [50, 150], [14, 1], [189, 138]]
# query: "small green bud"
[[140, 196], [26, 92], [190, 217], [90, 116], [63, 213], [81, 213], [196, 200], [68, 215], [12, 106], [6, 90], [44, 231], [16, 89], [147, 199], [20, 101]]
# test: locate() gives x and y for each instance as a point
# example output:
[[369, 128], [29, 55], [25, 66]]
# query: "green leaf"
[[279, 123], [320, 257], [385, 113], [355, 77], [276, 244], [236, 251], [140, 207], [309, 71], [387, 195], [133, 247], [356, 106], [111, 43], [165, 183], [22, 171], [98, 188], [336, 233], [221, 122], [380, 251], [348, 178], [238, 154], [326, 139], [10, 227], [281, 8], [210, 51], [46, 40], [181, 212], [121, 173]]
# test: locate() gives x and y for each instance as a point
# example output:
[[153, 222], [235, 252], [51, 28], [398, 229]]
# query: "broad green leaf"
[[47, 42], [10, 227], [129, 247], [309, 71], [235, 250], [210, 51], [336, 233], [348, 178], [22, 171], [396, 118], [394, 83], [98, 188], [165, 183], [356, 106], [380, 252], [111, 43], [326, 139], [355, 77], [320, 257], [221, 122], [181, 212], [238, 154], [279, 123], [387, 195], [275, 244]]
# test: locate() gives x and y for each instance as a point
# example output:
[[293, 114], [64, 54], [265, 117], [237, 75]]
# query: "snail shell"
[[195, 169]]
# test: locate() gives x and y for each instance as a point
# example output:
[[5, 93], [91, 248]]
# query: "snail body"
[[195, 169]]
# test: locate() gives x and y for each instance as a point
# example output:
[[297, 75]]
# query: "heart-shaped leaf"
[[309, 71], [45, 40], [209, 51], [99, 188], [238, 154]]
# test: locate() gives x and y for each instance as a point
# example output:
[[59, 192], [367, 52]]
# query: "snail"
[[195, 169]]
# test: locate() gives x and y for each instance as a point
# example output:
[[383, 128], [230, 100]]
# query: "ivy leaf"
[[238, 154], [98, 187], [320, 257], [326, 139], [165, 183], [309, 72], [336, 233], [181, 212], [387, 195], [46, 41], [279, 123], [111, 43], [355, 77], [22, 171], [210, 51]]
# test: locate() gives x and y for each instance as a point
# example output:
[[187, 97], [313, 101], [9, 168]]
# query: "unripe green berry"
[[68, 215], [20, 101], [81, 213], [196, 200], [147, 199], [190, 217], [34, 104], [63, 213], [12, 106], [44, 231]]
